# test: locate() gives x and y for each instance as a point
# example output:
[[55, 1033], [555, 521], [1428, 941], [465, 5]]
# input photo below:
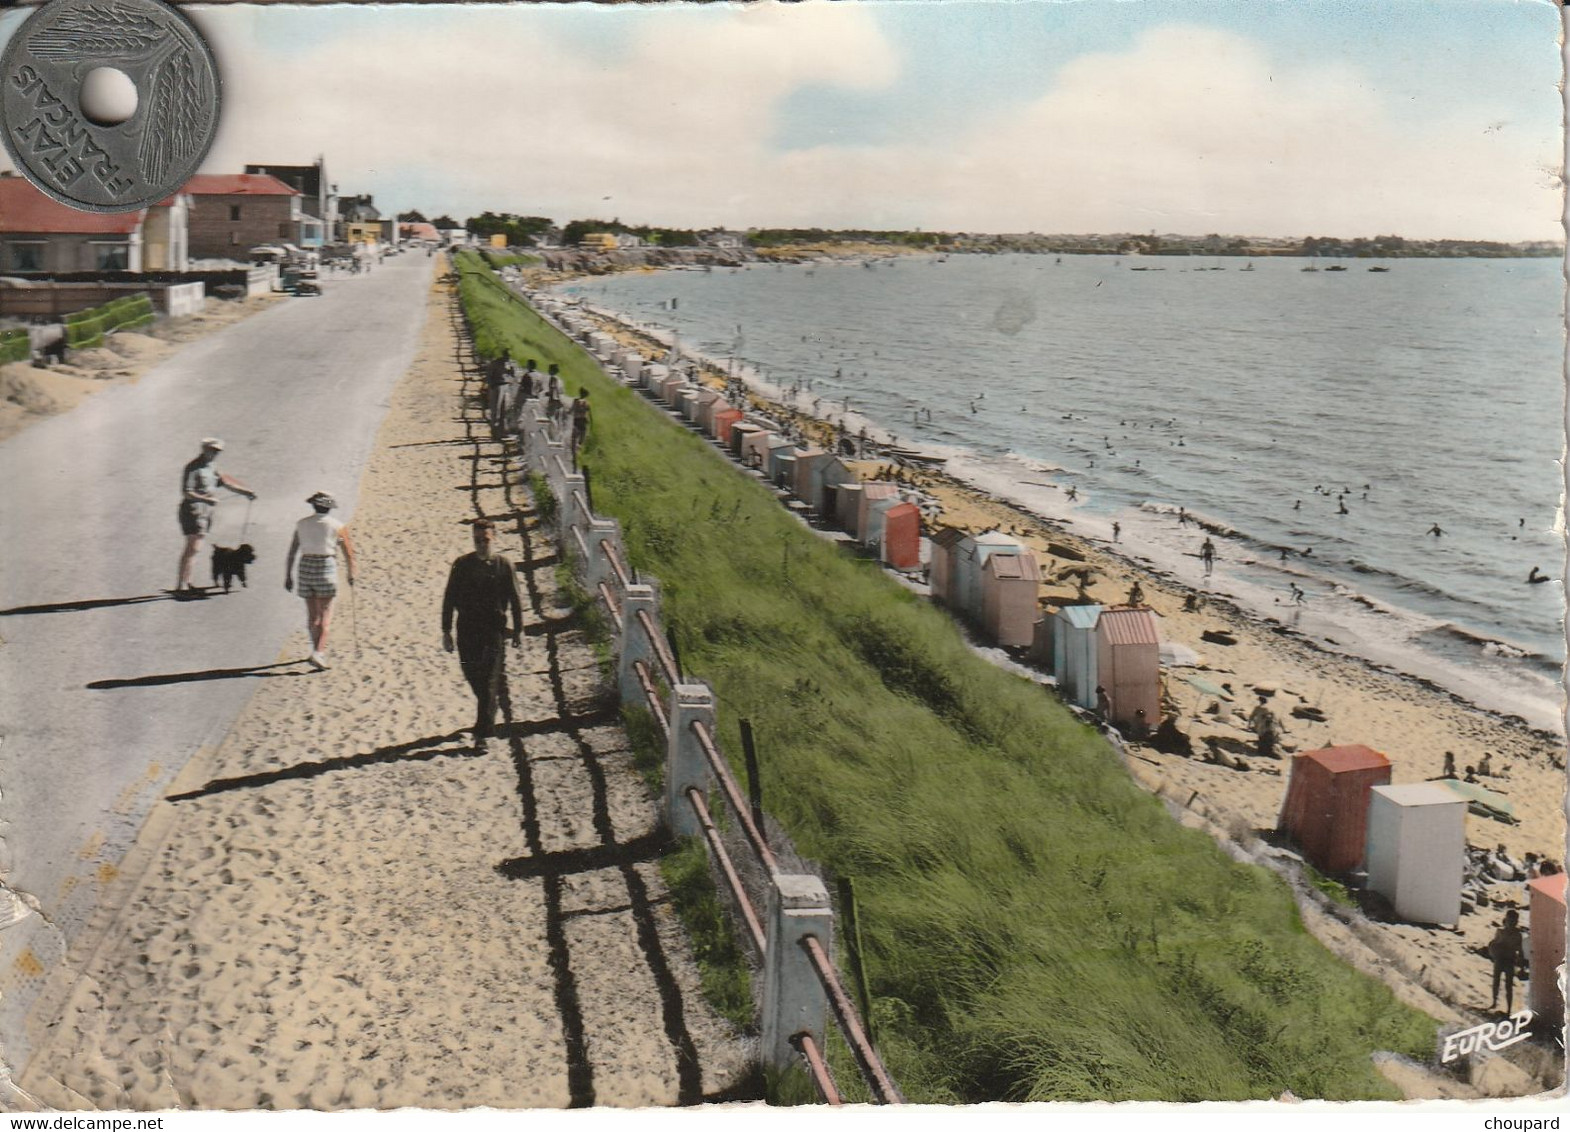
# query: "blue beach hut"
[[1074, 653]]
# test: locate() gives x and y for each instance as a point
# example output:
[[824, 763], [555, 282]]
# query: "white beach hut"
[[973, 552], [1074, 653], [1416, 850]]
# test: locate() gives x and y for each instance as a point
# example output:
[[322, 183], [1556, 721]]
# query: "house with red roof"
[[41, 236], [231, 213]]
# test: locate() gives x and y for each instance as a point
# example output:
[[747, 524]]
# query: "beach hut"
[[1041, 640], [1009, 586], [807, 459], [632, 366], [877, 516], [974, 550], [703, 406], [687, 401], [1546, 912], [670, 389], [1074, 653], [1326, 808], [1128, 665], [1415, 850], [827, 476], [902, 537], [847, 506], [739, 433], [755, 448], [870, 494], [782, 465], [942, 569], [721, 422], [653, 377]]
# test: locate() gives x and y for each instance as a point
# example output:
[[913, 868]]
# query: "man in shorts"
[[198, 482]]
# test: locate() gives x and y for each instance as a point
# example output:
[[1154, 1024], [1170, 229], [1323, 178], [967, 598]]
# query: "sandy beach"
[[318, 914], [1322, 699]]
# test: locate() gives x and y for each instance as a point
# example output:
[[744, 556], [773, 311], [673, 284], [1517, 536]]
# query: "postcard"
[[635, 556]]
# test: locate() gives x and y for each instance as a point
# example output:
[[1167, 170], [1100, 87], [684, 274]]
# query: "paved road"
[[107, 687]]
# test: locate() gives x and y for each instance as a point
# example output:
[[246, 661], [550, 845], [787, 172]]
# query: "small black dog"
[[229, 564]]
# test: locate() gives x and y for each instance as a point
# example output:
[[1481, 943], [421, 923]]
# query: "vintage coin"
[[88, 165]]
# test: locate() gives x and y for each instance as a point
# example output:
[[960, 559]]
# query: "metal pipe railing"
[[711, 834], [738, 804], [651, 696], [608, 596], [817, 1068], [618, 567], [662, 651], [877, 1077]]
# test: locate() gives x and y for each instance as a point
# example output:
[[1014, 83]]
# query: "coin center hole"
[[108, 96]]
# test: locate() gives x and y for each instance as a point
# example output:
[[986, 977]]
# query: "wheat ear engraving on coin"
[[89, 164]]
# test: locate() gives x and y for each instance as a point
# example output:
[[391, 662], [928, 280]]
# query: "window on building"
[[27, 257], [234, 212], [284, 230], [234, 239], [112, 257]]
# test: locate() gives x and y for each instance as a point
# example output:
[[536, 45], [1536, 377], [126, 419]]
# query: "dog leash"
[[245, 528]]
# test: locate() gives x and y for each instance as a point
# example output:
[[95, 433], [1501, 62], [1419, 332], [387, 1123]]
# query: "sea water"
[[1324, 421]]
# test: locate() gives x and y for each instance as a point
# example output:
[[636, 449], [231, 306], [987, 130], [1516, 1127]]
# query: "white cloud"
[[1192, 131]]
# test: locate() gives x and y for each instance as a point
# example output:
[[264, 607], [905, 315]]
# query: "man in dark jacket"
[[482, 589]]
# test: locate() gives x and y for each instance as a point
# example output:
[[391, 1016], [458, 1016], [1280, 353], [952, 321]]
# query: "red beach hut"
[[902, 536], [1547, 940], [723, 420], [1326, 808], [1128, 665]]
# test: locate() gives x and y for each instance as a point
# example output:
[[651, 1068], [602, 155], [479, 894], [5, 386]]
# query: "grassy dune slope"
[[1037, 927]]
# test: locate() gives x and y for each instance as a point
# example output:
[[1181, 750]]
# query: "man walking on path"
[[481, 589], [495, 378], [1207, 555], [198, 481]]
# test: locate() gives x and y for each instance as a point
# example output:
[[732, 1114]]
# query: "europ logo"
[[1492, 1036]]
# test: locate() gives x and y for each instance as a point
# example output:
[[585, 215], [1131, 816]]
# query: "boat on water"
[[1249, 266], [1335, 267], [1379, 269]]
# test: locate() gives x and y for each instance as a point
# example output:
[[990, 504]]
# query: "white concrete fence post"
[[567, 510], [634, 644], [598, 568], [685, 764], [793, 997]]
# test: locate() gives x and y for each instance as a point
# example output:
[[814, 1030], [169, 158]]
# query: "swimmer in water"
[[1537, 576], [1435, 530]]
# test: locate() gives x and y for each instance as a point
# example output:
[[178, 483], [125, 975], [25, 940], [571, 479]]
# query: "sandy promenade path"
[[347, 906]]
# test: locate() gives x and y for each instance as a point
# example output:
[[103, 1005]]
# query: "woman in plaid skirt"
[[316, 540]]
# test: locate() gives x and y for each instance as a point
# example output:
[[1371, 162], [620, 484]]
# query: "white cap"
[[213, 442]]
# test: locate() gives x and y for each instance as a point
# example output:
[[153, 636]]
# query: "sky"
[[1432, 119]]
